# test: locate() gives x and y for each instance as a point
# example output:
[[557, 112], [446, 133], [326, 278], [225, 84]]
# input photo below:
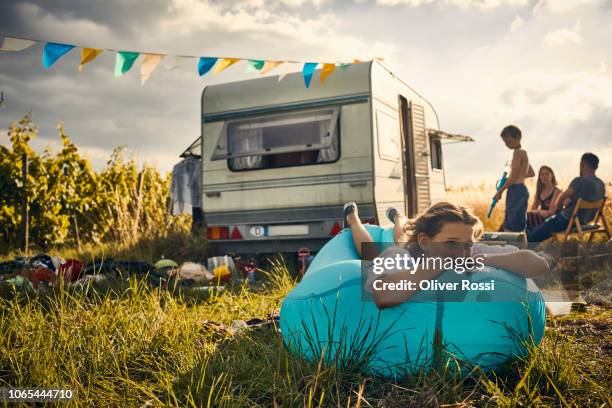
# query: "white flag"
[[174, 62], [15, 44]]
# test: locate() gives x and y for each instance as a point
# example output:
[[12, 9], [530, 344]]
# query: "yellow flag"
[[269, 65], [149, 63], [225, 63], [327, 70], [88, 55], [356, 61]]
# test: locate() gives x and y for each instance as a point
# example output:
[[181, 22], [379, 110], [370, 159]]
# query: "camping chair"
[[598, 224]]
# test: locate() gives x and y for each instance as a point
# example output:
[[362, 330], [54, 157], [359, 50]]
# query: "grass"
[[124, 343], [132, 345]]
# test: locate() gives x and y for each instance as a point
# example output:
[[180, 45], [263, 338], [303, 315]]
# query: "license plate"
[[282, 230]]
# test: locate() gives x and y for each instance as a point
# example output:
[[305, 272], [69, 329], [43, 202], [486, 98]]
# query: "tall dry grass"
[[478, 198]]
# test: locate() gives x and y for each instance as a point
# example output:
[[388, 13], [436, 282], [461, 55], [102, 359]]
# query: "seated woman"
[[444, 230], [545, 200]]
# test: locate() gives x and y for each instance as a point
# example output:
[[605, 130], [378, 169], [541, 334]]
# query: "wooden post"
[[141, 180], [25, 227], [75, 224]]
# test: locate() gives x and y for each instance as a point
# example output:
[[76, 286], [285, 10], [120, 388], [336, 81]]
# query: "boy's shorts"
[[517, 197]]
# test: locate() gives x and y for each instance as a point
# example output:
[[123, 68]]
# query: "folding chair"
[[597, 225]]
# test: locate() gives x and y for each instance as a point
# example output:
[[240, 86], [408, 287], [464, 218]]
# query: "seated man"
[[588, 186]]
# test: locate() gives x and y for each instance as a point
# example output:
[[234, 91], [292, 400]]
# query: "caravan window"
[[288, 139], [435, 146]]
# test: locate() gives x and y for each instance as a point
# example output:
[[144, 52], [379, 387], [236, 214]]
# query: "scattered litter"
[[71, 270], [194, 271], [49, 270], [167, 264]]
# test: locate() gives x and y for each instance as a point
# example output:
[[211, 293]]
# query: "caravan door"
[[415, 157]]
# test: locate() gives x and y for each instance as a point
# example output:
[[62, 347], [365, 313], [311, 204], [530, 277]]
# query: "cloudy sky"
[[543, 64]]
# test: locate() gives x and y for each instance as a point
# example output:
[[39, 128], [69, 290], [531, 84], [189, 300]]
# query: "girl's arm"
[[553, 204], [524, 262], [536, 204]]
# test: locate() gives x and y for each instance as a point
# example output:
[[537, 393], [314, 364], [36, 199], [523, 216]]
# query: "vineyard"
[[70, 204]]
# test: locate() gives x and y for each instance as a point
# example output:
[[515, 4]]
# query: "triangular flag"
[[15, 44], [345, 65], [255, 65], [270, 65], [88, 55], [52, 52], [205, 64], [124, 61], [225, 63], [172, 62], [327, 71], [356, 61], [309, 69], [149, 63]]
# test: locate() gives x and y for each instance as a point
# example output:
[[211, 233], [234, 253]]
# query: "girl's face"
[[454, 240], [545, 176]]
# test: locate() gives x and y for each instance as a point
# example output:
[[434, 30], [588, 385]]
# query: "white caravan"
[[279, 160]]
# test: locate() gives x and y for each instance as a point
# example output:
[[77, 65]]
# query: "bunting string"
[[124, 60]]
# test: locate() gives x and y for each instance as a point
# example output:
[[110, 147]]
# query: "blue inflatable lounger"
[[326, 316]]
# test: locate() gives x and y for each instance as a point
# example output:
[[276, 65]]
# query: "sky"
[[545, 65]]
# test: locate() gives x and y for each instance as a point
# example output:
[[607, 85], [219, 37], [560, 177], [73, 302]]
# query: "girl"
[[444, 230], [545, 201]]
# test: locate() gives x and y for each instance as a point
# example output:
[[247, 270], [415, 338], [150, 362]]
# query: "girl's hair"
[[539, 185], [433, 219]]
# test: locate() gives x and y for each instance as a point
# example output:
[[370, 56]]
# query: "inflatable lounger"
[[326, 316]]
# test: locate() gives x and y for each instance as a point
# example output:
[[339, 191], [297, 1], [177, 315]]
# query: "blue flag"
[[205, 64], [52, 52], [309, 69]]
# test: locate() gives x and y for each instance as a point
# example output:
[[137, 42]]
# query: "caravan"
[[279, 160]]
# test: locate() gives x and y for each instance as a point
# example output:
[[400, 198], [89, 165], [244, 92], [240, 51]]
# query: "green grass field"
[[123, 343]]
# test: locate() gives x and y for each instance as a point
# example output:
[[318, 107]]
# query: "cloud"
[[464, 4], [564, 36], [563, 6], [517, 23]]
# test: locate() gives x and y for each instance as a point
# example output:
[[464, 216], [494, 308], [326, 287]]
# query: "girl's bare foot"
[[351, 215], [399, 220]]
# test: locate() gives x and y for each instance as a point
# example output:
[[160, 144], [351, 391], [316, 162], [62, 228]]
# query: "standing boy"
[[515, 219]]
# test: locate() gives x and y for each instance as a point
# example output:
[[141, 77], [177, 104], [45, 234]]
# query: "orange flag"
[[270, 65], [225, 63], [149, 63], [88, 55], [327, 71]]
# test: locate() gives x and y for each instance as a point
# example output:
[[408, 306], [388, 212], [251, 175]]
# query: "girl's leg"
[[359, 232]]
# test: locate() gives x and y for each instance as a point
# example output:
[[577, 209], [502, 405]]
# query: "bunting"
[[328, 69], [53, 51], [149, 63], [16, 44], [205, 64], [225, 63], [255, 65], [124, 60], [88, 55], [270, 65], [309, 69]]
